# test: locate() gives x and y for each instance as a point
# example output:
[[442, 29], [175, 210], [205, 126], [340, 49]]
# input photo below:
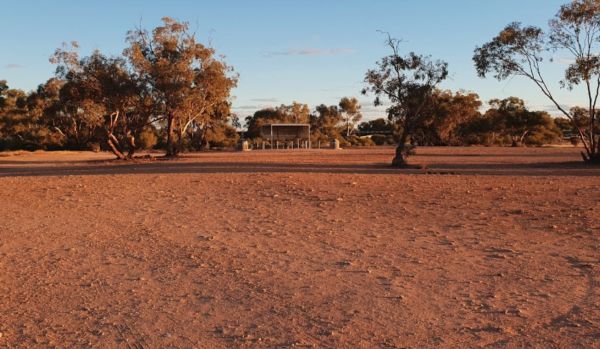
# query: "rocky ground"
[[483, 247]]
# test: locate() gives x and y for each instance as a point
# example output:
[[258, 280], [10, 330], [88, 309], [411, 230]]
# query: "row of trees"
[[448, 119], [454, 119], [327, 122], [409, 81], [71, 113], [168, 88], [164, 82], [521, 50]]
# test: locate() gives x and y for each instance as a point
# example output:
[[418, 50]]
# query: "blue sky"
[[304, 50]]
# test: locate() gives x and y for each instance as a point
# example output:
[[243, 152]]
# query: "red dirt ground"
[[485, 247]]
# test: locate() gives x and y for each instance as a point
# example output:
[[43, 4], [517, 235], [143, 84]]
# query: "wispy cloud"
[[373, 109], [563, 60], [14, 66], [264, 100], [311, 52], [551, 108]]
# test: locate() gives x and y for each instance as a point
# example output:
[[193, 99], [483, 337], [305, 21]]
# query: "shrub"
[[379, 139], [356, 141], [147, 138]]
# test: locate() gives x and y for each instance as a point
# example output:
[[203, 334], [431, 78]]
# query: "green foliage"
[[21, 123], [407, 82], [520, 51], [188, 83], [350, 112], [222, 136], [379, 139], [479, 130], [381, 131], [100, 101], [565, 126], [380, 125], [511, 119], [168, 90], [357, 141], [444, 116], [504, 55], [325, 126], [509, 122], [148, 138], [545, 132], [296, 113]]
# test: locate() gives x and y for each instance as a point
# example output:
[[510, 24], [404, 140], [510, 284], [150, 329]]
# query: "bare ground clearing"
[[487, 247]]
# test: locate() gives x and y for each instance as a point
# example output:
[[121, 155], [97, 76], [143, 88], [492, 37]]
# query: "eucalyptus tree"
[[105, 92], [351, 115], [445, 116], [186, 79], [22, 121], [407, 83], [512, 119], [520, 50], [326, 122]]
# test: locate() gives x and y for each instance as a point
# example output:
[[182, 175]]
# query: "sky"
[[309, 51]]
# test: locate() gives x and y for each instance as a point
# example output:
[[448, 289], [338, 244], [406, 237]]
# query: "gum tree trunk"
[[113, 144], [171, 151], [400, 157], [131, 142]]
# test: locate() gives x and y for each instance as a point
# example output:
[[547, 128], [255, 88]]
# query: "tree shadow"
[[103, 167], [496, 155]]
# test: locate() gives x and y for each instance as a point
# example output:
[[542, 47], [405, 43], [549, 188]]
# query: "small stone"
[[344, 263]]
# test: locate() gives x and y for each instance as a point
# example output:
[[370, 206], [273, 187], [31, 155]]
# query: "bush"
[[147, 138], [356, 141], [366, 142], [379, 139], [574, 140], [94, 146], [344, 143], [543, 136], [223, 136]]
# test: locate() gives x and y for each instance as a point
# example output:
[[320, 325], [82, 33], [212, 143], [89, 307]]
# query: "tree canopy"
[[351, 115], [187, 81], [407, 82], [521, 50], [168, 90]]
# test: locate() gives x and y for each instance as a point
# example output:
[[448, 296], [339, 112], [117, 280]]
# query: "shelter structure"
[[296, 135]]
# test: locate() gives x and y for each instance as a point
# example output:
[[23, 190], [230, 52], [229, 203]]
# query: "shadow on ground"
[[571, 168]]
